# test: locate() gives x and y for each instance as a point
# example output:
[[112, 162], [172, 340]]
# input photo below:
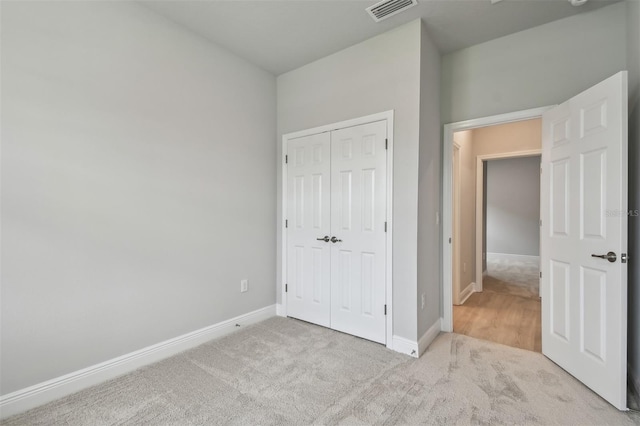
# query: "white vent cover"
[[387, 8]]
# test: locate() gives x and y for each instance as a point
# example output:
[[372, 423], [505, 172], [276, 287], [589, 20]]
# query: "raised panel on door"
[[358, 215], [583, 210], [308, 213]]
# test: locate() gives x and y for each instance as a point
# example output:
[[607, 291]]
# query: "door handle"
[[335, 240], [325, 239], [611, 256]]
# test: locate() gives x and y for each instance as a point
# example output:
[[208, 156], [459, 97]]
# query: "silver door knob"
[[611, 256], [325, 239], [335, 240]]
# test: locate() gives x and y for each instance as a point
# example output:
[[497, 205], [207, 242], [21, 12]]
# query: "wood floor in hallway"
[[502, 318]]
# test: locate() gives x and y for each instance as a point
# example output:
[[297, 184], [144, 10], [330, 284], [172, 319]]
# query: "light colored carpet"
[[511, 275], [283, 371]]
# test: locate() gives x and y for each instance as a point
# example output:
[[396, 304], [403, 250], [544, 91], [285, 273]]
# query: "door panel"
[[358, 214], [584, 212], [309, 212]]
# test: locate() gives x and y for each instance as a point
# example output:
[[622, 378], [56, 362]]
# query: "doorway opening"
[[496, 217], [491, 281]]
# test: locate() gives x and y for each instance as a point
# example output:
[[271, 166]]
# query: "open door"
[[584, 237]]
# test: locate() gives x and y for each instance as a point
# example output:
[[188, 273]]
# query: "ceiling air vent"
[[387, 8]]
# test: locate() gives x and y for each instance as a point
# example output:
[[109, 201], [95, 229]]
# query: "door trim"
[[447, 197], [455, 236], [382, 116]]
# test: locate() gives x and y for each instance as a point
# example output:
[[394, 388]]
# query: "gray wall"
[[513, 206], [138, 173], [633, 58], [380, 74], [540, 66], [429, 186]]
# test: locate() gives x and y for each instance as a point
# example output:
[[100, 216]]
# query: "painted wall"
[[513, 206], [467, 208], [633, 62], [429, 186], [545, 65], [138, 173], [379, 74], [511, 137]]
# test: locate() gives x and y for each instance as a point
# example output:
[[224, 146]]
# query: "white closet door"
[[308, 213], [358, 215]]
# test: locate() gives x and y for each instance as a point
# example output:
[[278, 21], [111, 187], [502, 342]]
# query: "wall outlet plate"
[[244, 286]]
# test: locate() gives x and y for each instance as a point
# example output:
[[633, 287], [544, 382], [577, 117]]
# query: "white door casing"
[[308, 213], [457, 183], [358, 216], [584, 212]]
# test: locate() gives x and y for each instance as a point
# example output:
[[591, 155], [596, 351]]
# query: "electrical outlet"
[[244, 286], [422, 300]]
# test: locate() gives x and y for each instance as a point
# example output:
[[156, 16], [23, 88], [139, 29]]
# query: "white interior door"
[[308, 213], [584, 213], [358, 215]]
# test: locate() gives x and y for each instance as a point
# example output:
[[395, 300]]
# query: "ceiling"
[[281, 35]]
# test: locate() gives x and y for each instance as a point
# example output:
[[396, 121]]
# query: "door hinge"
[[385, 309], [449, 240], [540, 274], [286, 159], [624, 258], [386, 144], [286, 288], [286, 223], [385, 227]]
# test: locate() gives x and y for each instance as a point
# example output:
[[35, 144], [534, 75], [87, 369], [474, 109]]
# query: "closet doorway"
[[336, 195]]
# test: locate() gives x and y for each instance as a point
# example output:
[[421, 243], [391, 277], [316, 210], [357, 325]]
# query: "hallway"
[[507, 311]]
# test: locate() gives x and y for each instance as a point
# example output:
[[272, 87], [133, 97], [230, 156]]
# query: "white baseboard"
[[280, 310], [413, 348], [406, 346], [468, 291], [429, 336], [33, 396]]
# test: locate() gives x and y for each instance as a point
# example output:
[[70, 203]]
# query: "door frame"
[[447, 199], [382, 116], [455, 289], [480, 160]]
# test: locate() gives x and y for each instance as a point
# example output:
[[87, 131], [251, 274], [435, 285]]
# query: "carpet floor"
[[511, 275], [284, 371]]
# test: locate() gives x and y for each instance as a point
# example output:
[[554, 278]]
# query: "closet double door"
[[336, 214]]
